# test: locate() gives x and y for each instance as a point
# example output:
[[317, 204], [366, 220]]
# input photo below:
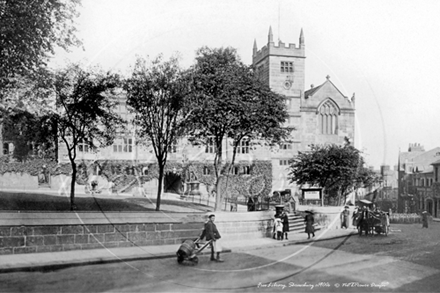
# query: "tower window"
[[328, 118], [286, 66]]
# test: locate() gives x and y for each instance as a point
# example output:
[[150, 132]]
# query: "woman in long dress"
[[309, 220], [285, 220]]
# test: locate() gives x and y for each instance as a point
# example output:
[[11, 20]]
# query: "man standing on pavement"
[[211, 233]]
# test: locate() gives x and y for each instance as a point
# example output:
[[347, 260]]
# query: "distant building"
[[416, 178]]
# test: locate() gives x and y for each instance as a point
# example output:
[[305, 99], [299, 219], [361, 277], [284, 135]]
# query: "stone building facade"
[[418, 180], [320, 115]]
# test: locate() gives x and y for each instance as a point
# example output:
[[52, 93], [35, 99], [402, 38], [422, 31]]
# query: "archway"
[[429, 207], [173, 183]]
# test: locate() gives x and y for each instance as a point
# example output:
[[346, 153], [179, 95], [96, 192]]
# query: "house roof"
[[311, 91], [420, 161]]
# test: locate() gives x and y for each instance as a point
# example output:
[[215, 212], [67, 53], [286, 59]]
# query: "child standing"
[[279, 228]]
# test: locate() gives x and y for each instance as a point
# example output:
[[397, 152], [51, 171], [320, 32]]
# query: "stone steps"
[[297, 225]]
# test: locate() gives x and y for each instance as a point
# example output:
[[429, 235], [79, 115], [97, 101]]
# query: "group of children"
[[281, 226]]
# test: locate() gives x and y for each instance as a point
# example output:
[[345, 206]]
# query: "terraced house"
[[418, 180]]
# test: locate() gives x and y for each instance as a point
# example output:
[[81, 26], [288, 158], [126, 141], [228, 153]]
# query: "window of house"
[[286, 66], [243, 146], [328, 118], [173, 148], [246, 170], [236, 170], [210, 148], [123, 145], [84, 146], [286, 146], [6, 148], [206, 171], [284, 162]]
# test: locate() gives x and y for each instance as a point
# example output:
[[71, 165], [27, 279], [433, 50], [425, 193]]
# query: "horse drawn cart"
[[373, 222], [379, 222]]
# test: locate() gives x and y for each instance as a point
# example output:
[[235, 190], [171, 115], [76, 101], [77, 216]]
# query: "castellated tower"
[[282, 67], [319, 115]]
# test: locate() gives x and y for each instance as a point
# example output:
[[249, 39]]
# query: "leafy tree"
[[85, 103], [156, 96], [338, 169], [29, 33], [228, 101], [32, 135]]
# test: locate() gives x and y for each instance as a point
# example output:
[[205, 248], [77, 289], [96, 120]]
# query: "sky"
[[385, 52]]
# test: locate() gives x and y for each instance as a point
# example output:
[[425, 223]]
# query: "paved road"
[[352, 264]]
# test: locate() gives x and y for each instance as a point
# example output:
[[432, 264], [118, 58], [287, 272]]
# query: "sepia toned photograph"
[[219, 146]]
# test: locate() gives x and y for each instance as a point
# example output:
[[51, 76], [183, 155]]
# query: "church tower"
[[282, 68], [320, 115]]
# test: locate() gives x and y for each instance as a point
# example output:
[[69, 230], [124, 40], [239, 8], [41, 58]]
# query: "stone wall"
[[49, 232]]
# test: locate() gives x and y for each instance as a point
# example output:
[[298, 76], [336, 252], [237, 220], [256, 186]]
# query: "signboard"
[[311, 194]]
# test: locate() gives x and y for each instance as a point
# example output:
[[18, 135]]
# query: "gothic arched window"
[[328, 118]]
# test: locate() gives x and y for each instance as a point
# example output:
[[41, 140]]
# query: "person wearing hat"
[[285, 220], [211, 233], [345, 218], [309, 220]]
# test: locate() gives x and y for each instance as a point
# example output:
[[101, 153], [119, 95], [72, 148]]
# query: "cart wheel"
[[180, 258], [195, 260]]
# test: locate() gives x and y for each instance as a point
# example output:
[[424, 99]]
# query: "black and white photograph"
[[219, 146]]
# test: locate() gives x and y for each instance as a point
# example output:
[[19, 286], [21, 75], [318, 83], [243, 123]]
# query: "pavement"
[[57, 260]]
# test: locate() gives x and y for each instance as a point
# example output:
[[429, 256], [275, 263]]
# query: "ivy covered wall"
[[248, 178]]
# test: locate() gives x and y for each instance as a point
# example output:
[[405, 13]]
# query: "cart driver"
[[211, 233]]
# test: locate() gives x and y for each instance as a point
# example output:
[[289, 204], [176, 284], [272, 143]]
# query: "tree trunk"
[[218, 196], [72, 186], [159, 187], [55, 139]]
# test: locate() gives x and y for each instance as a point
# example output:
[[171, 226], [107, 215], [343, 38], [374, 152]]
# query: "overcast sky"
[[386, 52]]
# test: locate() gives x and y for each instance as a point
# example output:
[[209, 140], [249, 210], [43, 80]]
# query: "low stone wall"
[[49, 232]]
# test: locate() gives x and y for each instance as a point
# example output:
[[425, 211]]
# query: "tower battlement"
[[291, 50]]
